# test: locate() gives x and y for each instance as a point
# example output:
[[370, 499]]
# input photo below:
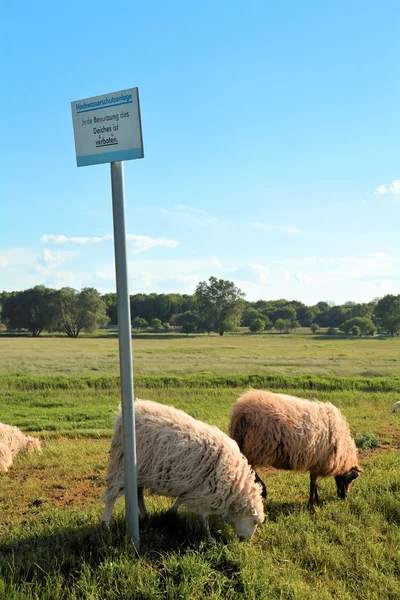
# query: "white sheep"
[[12, 441], [396, 407], [181, 457], [291, 433]]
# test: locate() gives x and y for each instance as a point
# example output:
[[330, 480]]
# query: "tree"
[[33, 309], [355, 331], [305, 316], [220, 304], [156, 324], [257, 326], [314, 327], [139, 323], [188, 327], [280, 325], [387, 314], [80, 310], [365, 325]]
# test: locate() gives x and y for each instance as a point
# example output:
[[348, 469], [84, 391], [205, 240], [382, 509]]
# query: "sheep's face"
[[245, 524], [343, 482]]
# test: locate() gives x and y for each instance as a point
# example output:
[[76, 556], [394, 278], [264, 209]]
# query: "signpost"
[[107, 129]]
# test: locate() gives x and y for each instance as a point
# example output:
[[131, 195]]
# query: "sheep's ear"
[[359, 469]]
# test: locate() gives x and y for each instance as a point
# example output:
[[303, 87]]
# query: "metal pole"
[[125, 352]]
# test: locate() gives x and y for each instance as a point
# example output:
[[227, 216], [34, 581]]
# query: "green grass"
[[300, 353], [52, 545]]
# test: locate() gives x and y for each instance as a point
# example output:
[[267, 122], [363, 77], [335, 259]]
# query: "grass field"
[[181, 355], [52, 546]]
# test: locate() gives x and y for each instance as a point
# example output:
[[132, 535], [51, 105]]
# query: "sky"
[[271, 137]]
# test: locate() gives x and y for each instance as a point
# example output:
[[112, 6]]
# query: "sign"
[[107, 128]]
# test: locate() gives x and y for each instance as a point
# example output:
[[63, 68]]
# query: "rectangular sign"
[[107, 128]]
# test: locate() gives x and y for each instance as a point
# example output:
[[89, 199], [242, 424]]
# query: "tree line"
[[216, 306]]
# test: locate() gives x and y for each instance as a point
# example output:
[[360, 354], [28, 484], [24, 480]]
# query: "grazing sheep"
[[181, 457], [5, 458], [289, 433], [396, 407], [12, 441]]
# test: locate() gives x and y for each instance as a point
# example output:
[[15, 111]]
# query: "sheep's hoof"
[[312, 508]]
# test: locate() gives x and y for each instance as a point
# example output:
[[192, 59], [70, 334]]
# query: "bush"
[[257, 326], [314, 327], [332, 331], [355, 331], [365, 441]]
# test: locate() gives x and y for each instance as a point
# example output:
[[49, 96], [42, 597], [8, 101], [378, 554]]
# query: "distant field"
[[174, 354], [52, 546]]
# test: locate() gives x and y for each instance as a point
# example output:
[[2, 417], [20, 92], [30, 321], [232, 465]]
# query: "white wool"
[[12, 441], [179, 456]]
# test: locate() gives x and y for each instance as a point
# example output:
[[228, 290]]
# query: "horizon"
[[270, 143]]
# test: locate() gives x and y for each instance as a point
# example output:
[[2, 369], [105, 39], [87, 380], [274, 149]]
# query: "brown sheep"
[[291, 433]]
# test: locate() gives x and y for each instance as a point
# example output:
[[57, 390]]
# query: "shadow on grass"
[[68, 550]]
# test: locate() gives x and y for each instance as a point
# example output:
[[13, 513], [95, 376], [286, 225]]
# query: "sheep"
[[12, 441], [291, 433], [179, 456], [396, 407]]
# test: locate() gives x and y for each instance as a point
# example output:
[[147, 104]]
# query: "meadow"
[[52, 545]]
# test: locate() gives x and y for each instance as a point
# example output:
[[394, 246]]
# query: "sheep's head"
[[343, 482], [32, 444], [245, 524]]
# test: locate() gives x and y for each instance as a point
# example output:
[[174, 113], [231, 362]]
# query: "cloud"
[[287, 229], [390, 188], [140, 243], [3, 261], [215, 261], [261, 271], [62, 239]]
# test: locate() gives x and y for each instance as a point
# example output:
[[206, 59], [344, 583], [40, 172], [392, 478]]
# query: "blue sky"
[[271, 135]]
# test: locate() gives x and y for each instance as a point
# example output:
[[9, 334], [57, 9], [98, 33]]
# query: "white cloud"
[[215, 261], [390, 188], [261, 271], [3, 261], [62, 239], [140, 243]]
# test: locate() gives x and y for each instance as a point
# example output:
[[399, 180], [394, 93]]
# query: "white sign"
[[107, 128]]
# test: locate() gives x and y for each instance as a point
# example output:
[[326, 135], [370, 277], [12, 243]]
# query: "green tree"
[[314, 327], [355, 331], [188, 327], [77, 311], [139, 323], [280, 325], [33, 309], [387, 314], [156, 324], [364, 324], [220, 304], [257, 326]]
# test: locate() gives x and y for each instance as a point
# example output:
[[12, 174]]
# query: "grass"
[[52, 546], [300, 353]]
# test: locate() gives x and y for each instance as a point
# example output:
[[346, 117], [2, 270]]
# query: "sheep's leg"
[[108, 510], [313, 494], [142, 506], [318, 502], [260, 481], [206, 528]]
